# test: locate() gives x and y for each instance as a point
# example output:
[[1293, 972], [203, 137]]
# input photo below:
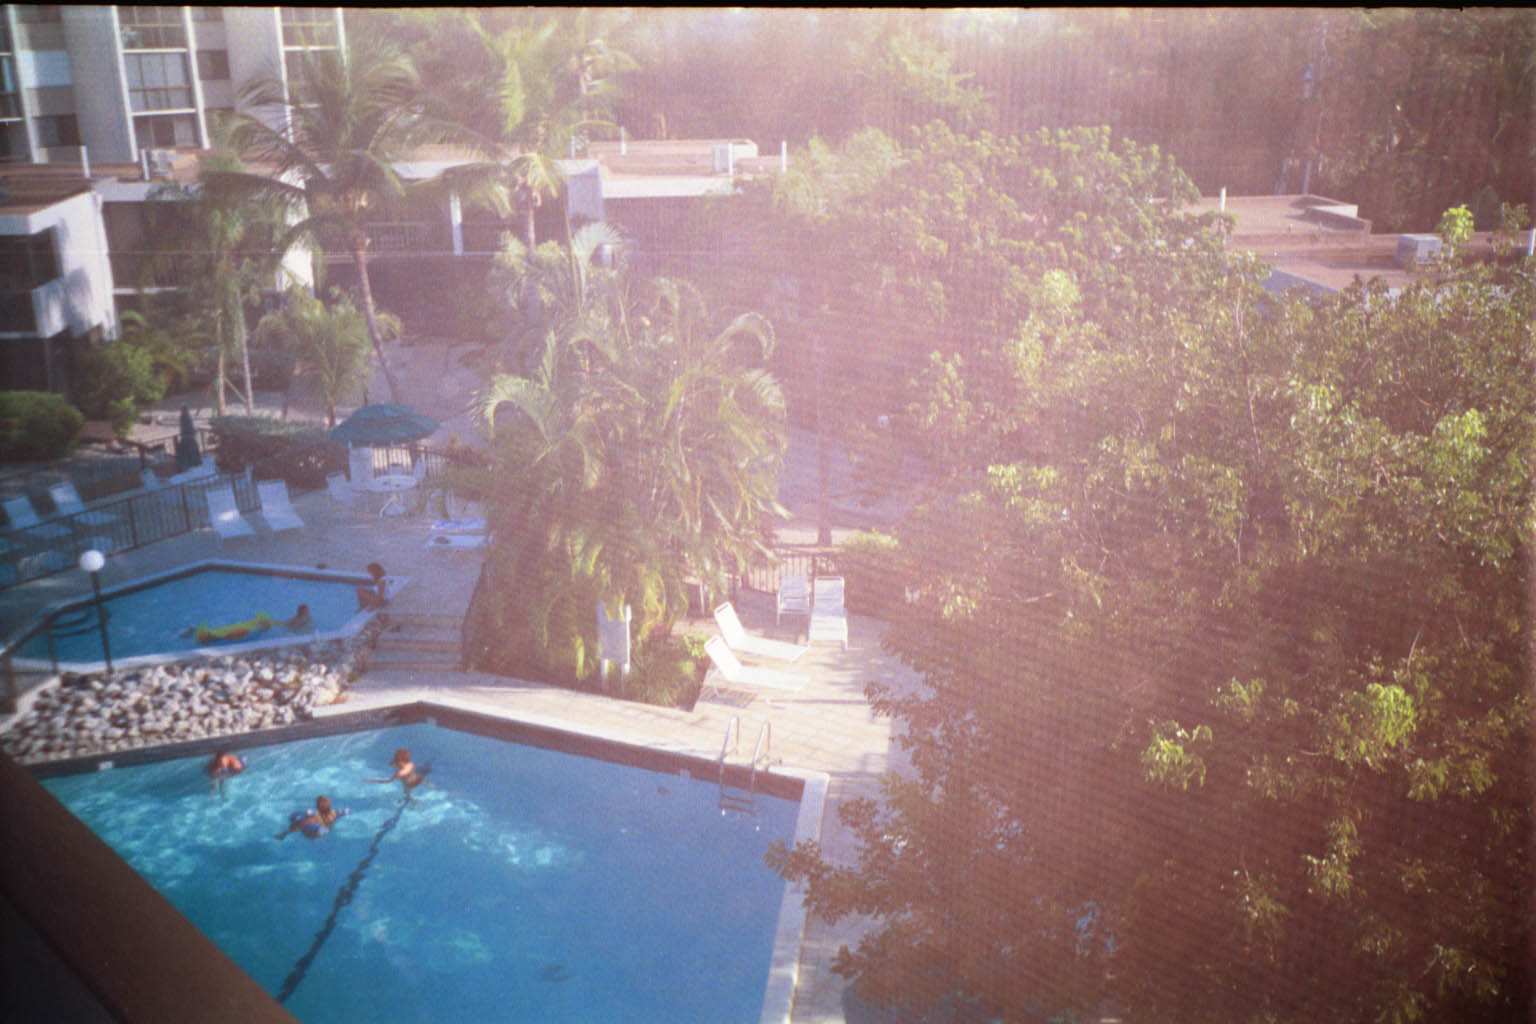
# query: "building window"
[[309, 26], [27, 262], [62, 130], [13, 143], [168, 131], [212, 64], [207, 14], [10, 88], [37, 14], [157, 81], [152, 28]]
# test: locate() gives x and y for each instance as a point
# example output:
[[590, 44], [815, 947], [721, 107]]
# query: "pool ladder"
[[742, 800]]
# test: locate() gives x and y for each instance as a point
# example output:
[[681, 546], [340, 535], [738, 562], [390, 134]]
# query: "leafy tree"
[[331, 339], [112, 381], [1455, 228], [1227, 712], [352, 119]]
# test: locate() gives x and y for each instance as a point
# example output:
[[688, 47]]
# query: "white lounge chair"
[[22, 516], [150, 479], [336, 486], [202, 471], [276, 509], [742, 642], [360, 467], [752, 677], [67, 500], [794, 598], [829, 620], [224, 515]]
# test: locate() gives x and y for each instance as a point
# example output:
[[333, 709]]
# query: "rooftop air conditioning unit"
[[1415, 249]]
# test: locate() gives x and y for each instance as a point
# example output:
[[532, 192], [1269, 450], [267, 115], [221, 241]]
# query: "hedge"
[[37, 426]]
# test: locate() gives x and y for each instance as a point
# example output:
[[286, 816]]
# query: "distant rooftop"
[[1315, 241], [27, 188]]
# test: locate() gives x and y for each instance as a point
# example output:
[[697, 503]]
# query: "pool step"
[[420, 641]]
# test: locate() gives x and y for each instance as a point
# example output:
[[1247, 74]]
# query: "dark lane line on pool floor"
[[343, 897]]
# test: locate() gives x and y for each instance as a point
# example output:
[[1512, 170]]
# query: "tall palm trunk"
[[371, 315], [238, 325], [218, 382], [528, 209]]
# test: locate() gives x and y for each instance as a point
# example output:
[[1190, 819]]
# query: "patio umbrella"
[[187, 453], [384, 424]]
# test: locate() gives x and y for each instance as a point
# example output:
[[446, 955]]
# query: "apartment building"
[[131, 83]]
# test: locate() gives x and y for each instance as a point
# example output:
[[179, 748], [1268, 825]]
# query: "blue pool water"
[[156, 618], [528, 885]]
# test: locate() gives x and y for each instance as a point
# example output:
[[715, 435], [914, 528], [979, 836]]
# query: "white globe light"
[[92, 560]]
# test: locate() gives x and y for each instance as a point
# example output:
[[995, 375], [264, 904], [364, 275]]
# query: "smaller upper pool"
[[207, 608]]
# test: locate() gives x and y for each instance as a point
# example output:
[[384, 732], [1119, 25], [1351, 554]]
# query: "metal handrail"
[[761, 749], [732, 729]]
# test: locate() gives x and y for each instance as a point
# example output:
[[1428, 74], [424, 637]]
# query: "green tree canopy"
[[1227, 713]]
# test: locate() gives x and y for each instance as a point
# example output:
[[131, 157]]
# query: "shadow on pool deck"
[[828, 726]]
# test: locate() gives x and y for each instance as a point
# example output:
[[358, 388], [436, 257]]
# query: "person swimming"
[[406, 771], [224, 765], [316, 823], [373, 596], [301, 620]]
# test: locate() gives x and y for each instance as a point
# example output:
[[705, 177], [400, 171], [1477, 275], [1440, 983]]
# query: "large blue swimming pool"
[[527, 885], [160, 616]]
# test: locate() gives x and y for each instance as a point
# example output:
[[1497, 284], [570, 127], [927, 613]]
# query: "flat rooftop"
[[1318, 240]]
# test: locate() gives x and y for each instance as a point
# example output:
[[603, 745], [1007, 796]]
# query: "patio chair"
[[793, 598], [829, 620], [742, 642], [201, 471], [67, 500], [22, 516], [336, 486], [750, 677], [150, 479], [276, 509], [360, 467], [224, 515]]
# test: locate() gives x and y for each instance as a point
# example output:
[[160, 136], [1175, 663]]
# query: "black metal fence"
[[116, 524], [806, 562]]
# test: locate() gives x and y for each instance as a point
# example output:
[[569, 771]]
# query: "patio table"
[[392, 484]]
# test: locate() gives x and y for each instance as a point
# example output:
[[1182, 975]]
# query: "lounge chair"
[[336, 486], [829, 620], [201, 471], [793, 598], [67, 500], [360, 467], [742, 642], [749, 676], [224, 515], [150, 479], [22, 516], [276, 509]]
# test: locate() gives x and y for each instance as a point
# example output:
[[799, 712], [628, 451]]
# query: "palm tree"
[[216, 243], [350, 121], [552, 83], [332, 340], [644, 451]]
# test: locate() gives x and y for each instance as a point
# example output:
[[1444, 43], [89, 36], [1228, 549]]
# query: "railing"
[[807, 562], [114, 525]]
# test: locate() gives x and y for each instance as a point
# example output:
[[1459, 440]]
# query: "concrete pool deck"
[[826, 727]]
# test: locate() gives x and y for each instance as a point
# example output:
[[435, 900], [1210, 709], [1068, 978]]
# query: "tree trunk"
[[371, 315], [238, 324], [218, 383], [528, 234]]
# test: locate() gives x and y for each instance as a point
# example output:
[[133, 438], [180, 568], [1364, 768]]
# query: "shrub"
[[874, 574], [666, 671], [274, 449], [36, 426], [113, 380]]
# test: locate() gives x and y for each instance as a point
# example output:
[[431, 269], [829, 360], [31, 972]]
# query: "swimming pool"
[[155, 618], [530, 884]]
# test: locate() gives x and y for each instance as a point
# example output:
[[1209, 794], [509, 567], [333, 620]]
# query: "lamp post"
[[92, 561]]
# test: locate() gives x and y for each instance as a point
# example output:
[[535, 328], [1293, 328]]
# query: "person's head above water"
[[375, 570]]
